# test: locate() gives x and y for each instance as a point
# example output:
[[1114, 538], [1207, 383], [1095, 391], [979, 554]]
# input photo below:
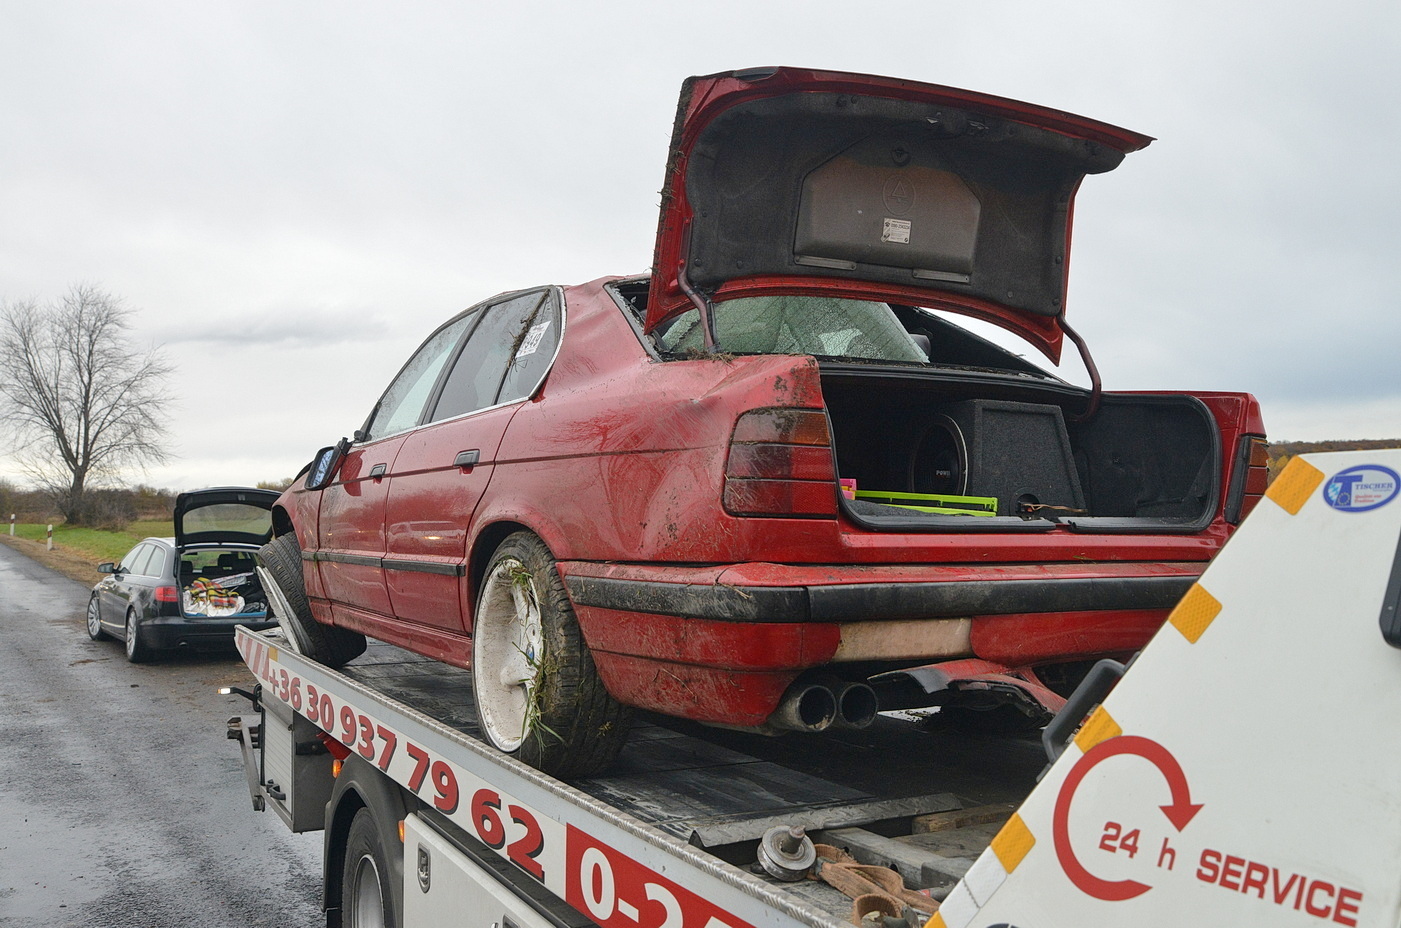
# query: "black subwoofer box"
[[1017, 452]]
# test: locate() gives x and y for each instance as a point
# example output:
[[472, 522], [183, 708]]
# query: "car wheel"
[[95, 631], [365, 898], [538, 695], [136, 651], [280, 571]]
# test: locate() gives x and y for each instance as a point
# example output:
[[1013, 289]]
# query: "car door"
[[136, 587], [114, 592], [443, 468], [350, 533]]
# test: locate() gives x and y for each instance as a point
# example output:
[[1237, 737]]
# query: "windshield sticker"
[[1359, 489], [532, 339], [896, 231]]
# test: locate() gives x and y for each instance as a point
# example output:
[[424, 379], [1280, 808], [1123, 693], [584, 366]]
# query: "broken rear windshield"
[[811, 325]]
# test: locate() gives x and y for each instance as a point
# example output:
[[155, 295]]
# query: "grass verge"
[[78, 551]]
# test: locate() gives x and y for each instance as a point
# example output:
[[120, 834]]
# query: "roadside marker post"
[[51, 538], [12, 525]]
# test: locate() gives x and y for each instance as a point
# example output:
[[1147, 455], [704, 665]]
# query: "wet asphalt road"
[[122, 803]]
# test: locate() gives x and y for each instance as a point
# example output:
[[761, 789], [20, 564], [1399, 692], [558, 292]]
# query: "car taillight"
[[1249, 477], [167, 594], [780, 464]]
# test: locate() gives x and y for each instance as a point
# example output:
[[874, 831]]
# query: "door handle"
[[467, 459], [377, 471]]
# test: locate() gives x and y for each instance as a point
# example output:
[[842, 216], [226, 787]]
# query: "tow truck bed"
[[683, 800], [1241, 773]]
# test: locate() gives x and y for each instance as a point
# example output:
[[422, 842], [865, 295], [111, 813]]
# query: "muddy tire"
[[280, 571], [537, 692]]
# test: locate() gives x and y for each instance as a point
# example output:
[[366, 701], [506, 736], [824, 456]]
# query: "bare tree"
[[79, 402]]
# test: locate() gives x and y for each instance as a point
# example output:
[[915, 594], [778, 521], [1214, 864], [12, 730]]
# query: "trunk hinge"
[[1095, 386], [699, 300]]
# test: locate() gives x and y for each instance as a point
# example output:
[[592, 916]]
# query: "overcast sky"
[[292, 195]]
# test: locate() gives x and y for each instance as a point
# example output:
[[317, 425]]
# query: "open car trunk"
[[935, 428], [917, 451], [217, 530], [220, 582]]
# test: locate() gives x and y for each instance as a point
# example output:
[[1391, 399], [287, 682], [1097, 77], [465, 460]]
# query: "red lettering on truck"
[[1317, 897]]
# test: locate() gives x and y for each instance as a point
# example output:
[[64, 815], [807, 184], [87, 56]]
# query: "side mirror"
[[325, 464], [107, 568]]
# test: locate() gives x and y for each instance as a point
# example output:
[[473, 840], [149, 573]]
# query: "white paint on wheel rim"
[[507, 647]]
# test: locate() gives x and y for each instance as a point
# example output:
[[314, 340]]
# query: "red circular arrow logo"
[[1179, 812]]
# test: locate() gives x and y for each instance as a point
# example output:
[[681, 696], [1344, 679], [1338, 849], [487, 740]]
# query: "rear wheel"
[[136, 651], [538, 694], [95, 631], [280, 571], [365, 897]]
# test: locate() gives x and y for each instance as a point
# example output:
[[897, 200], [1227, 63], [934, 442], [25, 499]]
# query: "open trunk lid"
[[791, 178], [224, 515]]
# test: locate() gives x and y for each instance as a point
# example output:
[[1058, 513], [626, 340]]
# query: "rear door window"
[[136, 557], [504, 358], [401, 407], [154, 564], [536, 337]]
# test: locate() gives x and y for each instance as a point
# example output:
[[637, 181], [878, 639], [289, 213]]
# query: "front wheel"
[[280, 572], [538, 694], [95, 630]]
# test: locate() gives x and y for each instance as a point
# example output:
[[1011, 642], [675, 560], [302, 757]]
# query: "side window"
[[534, 350], [154, 563], [134, 558], [402, 404], [512, 340]]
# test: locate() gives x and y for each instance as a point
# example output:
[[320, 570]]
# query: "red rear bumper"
[[722, 643]]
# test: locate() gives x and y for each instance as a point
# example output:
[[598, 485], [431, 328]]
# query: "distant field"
[[94, 544], [1282, 451]]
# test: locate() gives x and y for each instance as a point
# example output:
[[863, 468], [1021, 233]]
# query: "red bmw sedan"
[[774, 484]]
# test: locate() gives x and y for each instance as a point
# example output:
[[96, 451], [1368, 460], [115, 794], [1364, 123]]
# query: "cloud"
[[293, 196], [291, 327]]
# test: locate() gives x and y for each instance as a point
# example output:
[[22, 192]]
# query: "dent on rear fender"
[[678, 502], [632, 468]]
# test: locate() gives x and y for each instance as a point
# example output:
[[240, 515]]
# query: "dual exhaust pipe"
[[819, 704]]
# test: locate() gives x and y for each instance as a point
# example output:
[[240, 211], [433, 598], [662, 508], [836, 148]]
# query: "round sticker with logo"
[[1362, 488]]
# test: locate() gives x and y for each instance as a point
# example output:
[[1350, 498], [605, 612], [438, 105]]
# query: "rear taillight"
[[1249, 477], [167, 594], [780, 464]]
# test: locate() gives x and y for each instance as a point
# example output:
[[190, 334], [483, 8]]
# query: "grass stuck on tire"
[[538, 694]]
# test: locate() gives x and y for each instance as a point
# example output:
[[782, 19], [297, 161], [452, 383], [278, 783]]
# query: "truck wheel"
[[136, 651], [538, 695], [365, 898], [280, 571], [95, 631]]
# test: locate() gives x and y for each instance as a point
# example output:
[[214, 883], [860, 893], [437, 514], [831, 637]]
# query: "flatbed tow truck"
[[1242, 772]]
